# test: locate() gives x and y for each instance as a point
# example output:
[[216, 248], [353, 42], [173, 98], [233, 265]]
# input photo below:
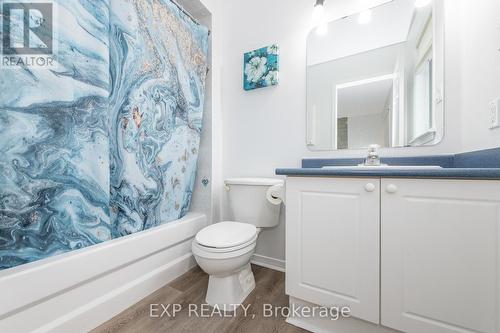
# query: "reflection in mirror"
[[364, 121], [377, 80]]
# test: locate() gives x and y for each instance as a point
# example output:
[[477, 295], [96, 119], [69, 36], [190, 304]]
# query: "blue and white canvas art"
[[261, 68], [104, 143]]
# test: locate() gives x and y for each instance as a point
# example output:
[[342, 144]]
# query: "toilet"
[[223, 250]]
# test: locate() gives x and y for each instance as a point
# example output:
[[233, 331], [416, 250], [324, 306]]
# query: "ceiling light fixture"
[[319, 19]]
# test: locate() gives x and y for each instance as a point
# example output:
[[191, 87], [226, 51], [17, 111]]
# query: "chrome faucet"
[[373, 158]]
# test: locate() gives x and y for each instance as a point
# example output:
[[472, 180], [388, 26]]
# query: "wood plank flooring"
[[191, 289]]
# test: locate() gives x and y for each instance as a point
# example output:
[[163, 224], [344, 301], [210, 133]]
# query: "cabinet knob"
[[370, 187], [391, 188]]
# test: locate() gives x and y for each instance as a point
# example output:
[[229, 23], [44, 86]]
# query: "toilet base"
[[228, 292]]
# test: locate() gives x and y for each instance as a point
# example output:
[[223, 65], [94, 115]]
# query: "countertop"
[[484, 164], [455, 173]]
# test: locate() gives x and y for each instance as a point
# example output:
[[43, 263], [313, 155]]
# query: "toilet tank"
[[247, 202]]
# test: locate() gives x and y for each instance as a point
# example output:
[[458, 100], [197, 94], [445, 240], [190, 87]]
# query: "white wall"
[[202, 194], [479, 70], [207, 200], [215, 8], [265, 129]]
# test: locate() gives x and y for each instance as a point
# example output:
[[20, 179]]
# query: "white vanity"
[[408, 244], [414, 255]]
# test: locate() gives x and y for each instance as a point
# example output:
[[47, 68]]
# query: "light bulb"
[[318, 15], [319, 18], [365, 17], [422, 3]]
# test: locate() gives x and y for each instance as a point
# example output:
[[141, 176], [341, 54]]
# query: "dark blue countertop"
[[483, 164], [468, 173]]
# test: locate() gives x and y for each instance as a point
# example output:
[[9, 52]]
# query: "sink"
[[384, 167]]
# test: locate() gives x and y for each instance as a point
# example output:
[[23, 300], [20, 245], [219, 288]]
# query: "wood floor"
[[191, 289]]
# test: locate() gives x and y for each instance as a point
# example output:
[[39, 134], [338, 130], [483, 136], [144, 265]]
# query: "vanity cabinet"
[[440, 255], [433, 247], [333, 243]]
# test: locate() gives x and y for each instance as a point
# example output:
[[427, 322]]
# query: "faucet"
[[373, 158]]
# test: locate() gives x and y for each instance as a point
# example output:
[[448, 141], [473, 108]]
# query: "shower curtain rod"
[[187, 13], [192, 19]]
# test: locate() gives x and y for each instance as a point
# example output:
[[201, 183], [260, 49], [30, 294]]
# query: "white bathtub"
[[77, 291]]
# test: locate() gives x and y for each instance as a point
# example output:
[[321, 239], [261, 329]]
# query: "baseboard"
[[318, 324], [268, 262]]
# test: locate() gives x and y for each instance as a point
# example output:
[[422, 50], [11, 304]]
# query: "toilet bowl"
[[227, 264], [224, 250]]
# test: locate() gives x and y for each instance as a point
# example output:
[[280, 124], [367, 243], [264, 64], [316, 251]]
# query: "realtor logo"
[[27, 32], [27, 28]]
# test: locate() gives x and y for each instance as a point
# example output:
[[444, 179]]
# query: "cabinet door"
[[332, 245], [440, 256]]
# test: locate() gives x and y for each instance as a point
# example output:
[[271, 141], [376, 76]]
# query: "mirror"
[[376, 77]]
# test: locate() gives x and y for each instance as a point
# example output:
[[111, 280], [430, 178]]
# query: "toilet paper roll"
[[276, 194]]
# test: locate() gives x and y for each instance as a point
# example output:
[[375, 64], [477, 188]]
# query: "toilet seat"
[[225, 240], [221, 254], [226, 249], [226, 236]]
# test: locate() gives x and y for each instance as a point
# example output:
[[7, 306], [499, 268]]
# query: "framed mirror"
[[377, 77]]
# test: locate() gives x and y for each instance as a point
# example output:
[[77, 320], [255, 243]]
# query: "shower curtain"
[[106, 143]]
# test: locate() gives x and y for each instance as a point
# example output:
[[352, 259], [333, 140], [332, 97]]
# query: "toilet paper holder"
[[276, 194]]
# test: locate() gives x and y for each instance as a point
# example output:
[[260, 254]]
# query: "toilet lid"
[[226, 234]]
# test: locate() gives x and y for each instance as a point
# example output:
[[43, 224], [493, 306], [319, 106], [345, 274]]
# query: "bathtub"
[[78, 291]]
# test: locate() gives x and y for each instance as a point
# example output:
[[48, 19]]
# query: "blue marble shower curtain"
[[104, 144], [54, 147], [158, 70]]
